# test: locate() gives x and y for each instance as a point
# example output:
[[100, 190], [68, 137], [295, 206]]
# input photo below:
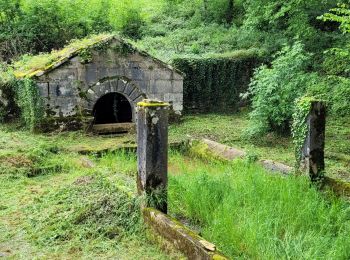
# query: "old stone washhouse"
[[105, 81]]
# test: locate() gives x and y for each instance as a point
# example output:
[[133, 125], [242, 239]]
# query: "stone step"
[[113, 128]]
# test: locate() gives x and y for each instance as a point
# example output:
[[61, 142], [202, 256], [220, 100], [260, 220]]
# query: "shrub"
[[274, 90]]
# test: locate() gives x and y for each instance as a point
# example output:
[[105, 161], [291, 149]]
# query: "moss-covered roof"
[[37, 65], [30, 66]]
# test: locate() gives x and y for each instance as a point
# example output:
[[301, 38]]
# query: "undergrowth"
[[252, 215]]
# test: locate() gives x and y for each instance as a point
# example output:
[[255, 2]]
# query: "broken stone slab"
[[224, 151], [218, 150], [185, 240], [276, 167]]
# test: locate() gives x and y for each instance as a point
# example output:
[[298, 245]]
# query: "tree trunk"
[[229, 12]]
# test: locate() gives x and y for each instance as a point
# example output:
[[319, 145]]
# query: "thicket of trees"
[[306, 43]]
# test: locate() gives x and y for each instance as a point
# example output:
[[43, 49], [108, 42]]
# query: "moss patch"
[[29, 66]]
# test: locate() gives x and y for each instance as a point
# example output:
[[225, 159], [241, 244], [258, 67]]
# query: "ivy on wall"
[[214, 84], [299, 126], [30, 103]]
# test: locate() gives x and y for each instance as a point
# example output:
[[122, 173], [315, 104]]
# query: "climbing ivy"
[[30, 103], [215, 83], [85, 56], [299, 126]]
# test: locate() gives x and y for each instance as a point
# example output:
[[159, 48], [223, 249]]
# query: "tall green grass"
[[252, 215]]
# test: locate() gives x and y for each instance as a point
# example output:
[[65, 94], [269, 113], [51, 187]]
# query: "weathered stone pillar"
[[152, 152], [313, 149]]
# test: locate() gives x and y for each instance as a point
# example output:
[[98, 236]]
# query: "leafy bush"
[[274, 90], [340, 14]]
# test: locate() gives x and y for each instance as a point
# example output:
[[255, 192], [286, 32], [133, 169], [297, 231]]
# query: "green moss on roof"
[[30, 66]]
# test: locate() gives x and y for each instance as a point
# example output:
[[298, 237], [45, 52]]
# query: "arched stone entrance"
[[112, 108], [112, 102]]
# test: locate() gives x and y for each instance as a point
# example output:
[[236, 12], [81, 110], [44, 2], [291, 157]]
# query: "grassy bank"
[[229, 129], [252, 215]]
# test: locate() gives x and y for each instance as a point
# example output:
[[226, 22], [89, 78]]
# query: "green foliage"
[[132, 24], [8, 108], [341, 14], [32, 26], [274, 90], [29, 100], [250, 214], [215, 83], [299, 126]]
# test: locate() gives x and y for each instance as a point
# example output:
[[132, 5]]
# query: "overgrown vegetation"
[[231, 128], [77, 205], [214, 83], [303, 48], [250, 214], [57, 203]]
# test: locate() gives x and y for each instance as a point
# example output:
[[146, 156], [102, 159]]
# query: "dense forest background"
[[304, 44]]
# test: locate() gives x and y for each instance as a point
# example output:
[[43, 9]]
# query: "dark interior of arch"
[[112, 108]]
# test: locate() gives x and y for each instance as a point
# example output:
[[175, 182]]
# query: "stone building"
[[104, 81]]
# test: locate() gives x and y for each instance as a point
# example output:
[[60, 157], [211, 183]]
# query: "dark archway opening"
[[112, 108]]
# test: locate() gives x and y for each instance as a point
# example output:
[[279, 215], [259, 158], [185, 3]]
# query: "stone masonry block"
[[178, 86], [162, 74], [121, 86], [174, 97], [102, 72], [43, 89], [128, 89], [162, 86]]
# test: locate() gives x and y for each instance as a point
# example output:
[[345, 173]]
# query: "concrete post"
[[313, 149], [152, 152]]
